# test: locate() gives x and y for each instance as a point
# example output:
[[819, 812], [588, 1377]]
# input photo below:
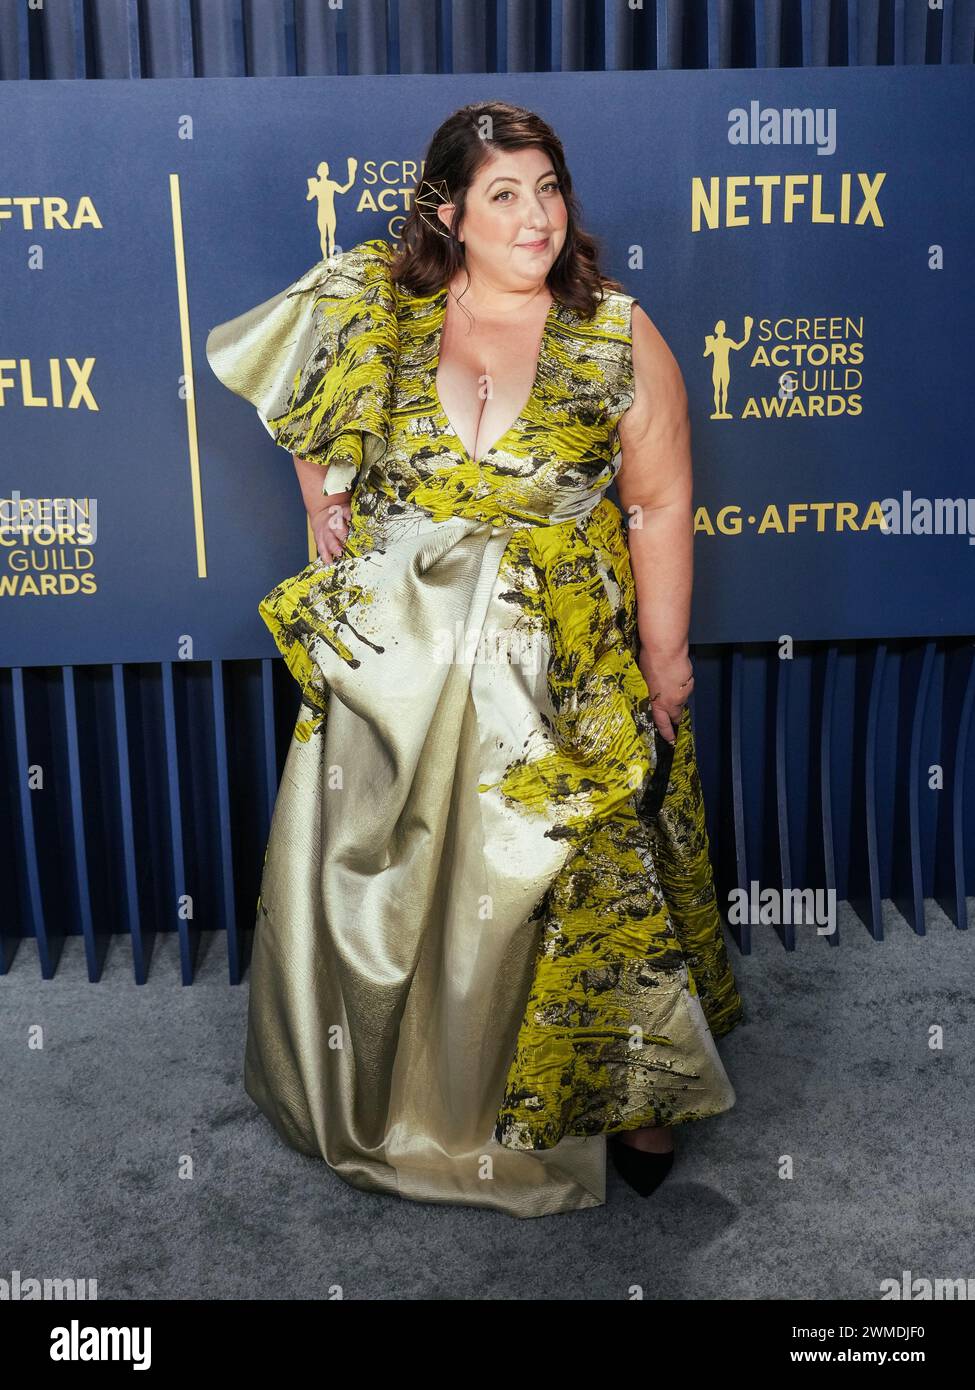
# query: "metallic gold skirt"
[[474, 956]]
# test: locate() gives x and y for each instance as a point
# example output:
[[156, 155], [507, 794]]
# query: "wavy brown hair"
[[427, 260]]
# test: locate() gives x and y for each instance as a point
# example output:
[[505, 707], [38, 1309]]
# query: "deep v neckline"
[[529, 399]]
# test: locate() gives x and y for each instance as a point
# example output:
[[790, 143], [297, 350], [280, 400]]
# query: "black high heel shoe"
[[642, 1170]]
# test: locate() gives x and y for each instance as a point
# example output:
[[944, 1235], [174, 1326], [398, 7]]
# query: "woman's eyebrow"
[[511, 178]]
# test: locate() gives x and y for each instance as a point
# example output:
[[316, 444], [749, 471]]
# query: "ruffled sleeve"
[[318, 361]]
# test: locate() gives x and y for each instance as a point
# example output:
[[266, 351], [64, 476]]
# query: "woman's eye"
[[507, 193]]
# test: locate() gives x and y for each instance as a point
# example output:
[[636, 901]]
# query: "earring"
[[431, 201]]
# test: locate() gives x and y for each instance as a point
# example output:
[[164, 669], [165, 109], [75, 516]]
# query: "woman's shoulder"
[[622, 317], [372, 249], [346, 271], [613, 315], [374, 254], [352, 286]]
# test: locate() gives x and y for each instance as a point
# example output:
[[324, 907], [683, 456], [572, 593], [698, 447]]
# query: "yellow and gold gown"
[[477, 950]]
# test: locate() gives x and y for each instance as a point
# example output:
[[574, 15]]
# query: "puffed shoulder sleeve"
[[318, 360]]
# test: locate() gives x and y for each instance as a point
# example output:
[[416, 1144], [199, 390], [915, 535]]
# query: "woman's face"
[[515, 218]]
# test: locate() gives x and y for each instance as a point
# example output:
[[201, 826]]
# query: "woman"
[[486, 939]]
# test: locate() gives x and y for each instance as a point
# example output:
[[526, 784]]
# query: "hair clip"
[[437, 195]]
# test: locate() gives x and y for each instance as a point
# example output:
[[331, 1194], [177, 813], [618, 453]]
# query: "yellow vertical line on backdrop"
[[187, 347]]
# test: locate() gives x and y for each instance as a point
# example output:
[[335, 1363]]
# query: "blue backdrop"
[[160, 777], [811, 283]]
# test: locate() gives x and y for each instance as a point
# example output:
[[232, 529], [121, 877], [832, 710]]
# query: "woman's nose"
[[537, 218]]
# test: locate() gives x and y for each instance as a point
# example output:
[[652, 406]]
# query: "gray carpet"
[[833, 1068]]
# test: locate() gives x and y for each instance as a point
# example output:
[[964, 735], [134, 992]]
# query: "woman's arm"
[[655, 487], [329, 516]]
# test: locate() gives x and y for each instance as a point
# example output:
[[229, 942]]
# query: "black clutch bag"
[[656, 789]]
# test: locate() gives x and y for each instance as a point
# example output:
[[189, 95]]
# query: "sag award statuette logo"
[[799, 366], [322, 190], [378, 187], [719, 348]]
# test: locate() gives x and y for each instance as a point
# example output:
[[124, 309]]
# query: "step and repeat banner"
[[802, 239]]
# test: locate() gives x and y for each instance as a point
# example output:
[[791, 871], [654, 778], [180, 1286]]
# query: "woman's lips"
[[534, 245]]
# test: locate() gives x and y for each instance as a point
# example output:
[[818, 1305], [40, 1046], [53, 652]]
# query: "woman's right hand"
[[330, 525]]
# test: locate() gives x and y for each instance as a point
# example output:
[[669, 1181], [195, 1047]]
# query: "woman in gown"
[[487, 934]]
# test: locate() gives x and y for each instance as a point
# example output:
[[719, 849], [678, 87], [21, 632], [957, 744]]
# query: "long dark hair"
[[427, 260]]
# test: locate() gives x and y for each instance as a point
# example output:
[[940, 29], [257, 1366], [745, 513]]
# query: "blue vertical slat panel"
[[470, 37], [709, 709], [829, 34], [710, 664], [858, 51], [180, 893], [783, 675], [55, 39], [923, 727], [825, 771], [218, 39], [961, 36], [718, 35], [800, 770], [962, 798], [940, 757], [933, 753], [892, 750], [913, 802], [94, 705], [167, 39], [767, 26], [15, 46], [760, 668], [316, 39], [79, 842], [572, 55], [222, 789], [368, 37], [269, 38], [847, 743], [614, 36], [268, 743], [113, 39], [417, 33], [863, 33], [129, 886], [555, 30], [736, 753], [814, 49], [894, 811], [13, 920], [523, 51], [912, 21], [48, 945], [501, 37], [864, 893]]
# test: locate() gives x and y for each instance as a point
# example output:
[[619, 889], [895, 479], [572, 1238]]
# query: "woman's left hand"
[[670, 681]]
